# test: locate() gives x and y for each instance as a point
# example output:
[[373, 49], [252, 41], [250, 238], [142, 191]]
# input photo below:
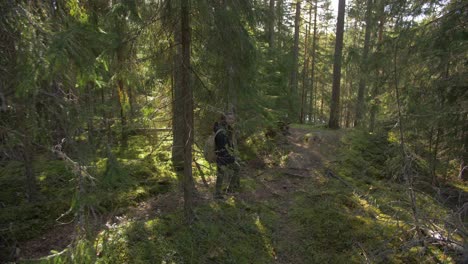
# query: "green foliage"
[[131, 181], [225, 232], [21, 219], [366, 154]]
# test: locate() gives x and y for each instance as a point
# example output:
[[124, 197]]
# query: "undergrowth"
[[225, 232], [368, 219], [122, 178]]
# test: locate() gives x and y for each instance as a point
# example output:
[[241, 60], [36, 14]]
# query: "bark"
[[375, 91], [279, 18], [121, 92], [463, 175], [335, 102], [313, 98], [293, 79], [188, 112], [177, 107], [123, 119], [271, 25], [305, 68], [363, 75], [90, 113], [434, 155]]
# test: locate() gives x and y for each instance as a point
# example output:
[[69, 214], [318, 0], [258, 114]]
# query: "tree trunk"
[[312, 78], [178, 124], [335, 101], [121, 92], [123, 120], [407, 171], [375, 91], [434, 156], [187, 111], [90, 112], [271, 24], [305, 69], [293, 79], [463, 175], [31, 183], [279, 18], [363, 74]]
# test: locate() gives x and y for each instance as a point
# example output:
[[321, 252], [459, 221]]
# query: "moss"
[[225, 232]]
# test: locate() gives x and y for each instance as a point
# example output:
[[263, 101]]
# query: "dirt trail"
[[309, 153]]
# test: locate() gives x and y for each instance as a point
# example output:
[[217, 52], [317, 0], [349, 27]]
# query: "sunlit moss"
[[393, 137], [266, 239]]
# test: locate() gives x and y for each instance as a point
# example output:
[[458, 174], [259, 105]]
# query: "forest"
[[347, 121]]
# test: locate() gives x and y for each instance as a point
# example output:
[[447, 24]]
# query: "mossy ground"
[[282, 218]]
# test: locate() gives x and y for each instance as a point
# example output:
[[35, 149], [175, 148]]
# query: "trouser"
[[229, 173]]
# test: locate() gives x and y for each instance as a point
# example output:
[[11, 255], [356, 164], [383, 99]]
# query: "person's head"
[[230, 118], [227, 119]]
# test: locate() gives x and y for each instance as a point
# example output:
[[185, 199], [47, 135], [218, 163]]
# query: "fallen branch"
[[331, 174], [295, 175], [49, 257]]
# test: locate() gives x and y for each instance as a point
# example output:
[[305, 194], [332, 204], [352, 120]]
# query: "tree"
[[305, 68], [294, 69], [178, 103], [187, 106], [364, 67], [314, 59], [335, 100], [271, 24]]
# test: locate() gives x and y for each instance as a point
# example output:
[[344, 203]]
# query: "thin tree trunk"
[[293, 80], [305, 68], [188, 112], [123, 120], [375, 91], [335, 102], [178, 124], [314, 55], [322, 100], [363, 74], [407, 173], [90, 112], [463, 175], [271, 25], [434, 156], [279, 17]]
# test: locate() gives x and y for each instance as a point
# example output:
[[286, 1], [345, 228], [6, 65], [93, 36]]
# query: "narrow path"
[[309, 151]]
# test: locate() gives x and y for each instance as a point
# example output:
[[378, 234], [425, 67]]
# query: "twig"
[[330, 173], [295, 175], [202, 174], [364, 253]]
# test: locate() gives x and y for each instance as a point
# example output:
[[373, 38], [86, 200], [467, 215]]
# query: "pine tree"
[[335, 101]]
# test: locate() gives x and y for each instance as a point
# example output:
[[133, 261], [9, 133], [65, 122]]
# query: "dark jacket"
[[223, 145]]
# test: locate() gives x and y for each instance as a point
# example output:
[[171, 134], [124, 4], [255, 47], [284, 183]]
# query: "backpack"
[[209, 147]]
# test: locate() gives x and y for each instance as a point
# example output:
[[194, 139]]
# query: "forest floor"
[[294, 209], [308, 153]]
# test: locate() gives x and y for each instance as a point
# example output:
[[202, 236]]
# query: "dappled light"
[[157, 131]]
